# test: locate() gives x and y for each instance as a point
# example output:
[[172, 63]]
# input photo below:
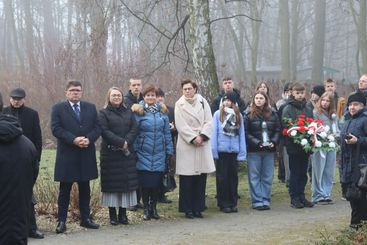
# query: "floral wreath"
[[311, 134]]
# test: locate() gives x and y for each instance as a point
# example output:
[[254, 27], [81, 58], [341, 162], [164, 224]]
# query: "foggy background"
[[105, 42]]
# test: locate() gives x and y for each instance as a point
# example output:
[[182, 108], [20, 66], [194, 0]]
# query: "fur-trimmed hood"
[[139, 108]]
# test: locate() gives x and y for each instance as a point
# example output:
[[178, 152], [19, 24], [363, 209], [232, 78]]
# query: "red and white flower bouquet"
[[311, 134]]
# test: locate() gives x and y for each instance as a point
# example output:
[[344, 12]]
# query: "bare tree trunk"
[[284, 39], [318, 42], [203, 55], [294, 39], [362, 35], [99, 35], [8, 7]]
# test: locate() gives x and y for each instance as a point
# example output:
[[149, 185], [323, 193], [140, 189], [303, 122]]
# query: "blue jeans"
[[323, 170], [260, 177]]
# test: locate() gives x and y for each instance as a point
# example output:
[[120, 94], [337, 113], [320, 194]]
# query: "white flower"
[[323, 135], [326, 128], [310, 132], [293, 133], [318, 144], [332, 145], [331, 138], [304, 142]]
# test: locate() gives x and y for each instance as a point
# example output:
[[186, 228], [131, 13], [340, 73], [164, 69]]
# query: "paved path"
[[280, 225]]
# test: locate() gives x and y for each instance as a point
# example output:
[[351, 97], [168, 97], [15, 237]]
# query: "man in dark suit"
[[30, 123], [75, 125]]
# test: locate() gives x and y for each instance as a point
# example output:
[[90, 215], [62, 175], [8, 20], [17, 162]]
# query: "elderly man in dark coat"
[[30, 123], [75, 125], [17, 171]]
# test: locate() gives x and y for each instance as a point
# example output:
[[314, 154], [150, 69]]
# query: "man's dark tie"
[[77, 111]]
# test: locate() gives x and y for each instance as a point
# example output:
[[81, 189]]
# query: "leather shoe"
[[36, 234], [61, 227], [88, 223], [198, 215], [189, 215], [226, 210]]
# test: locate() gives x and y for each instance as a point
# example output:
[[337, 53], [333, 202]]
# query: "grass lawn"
[[47, 190]]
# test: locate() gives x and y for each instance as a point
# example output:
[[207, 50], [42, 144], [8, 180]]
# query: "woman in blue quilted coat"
[[153, 147]]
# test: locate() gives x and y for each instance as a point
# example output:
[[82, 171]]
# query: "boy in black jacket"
[[298, 158]]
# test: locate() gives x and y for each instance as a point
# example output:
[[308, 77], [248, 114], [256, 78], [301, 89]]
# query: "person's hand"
[[352, 140], [125, 146], [79, 141], [198, 140], [271, 145], [171, 126]]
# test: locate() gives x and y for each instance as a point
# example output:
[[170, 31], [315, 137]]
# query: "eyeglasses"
[[74, 90]]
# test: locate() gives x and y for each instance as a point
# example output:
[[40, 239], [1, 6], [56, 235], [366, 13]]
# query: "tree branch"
[[234, 16]]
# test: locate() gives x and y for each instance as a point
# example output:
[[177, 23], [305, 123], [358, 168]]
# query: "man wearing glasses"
[[75, 125], [362, 84]]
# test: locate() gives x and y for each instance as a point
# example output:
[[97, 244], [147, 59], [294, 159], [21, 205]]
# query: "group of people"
[[142, 137]]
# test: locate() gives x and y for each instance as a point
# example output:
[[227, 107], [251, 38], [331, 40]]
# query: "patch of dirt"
[[280, 225]]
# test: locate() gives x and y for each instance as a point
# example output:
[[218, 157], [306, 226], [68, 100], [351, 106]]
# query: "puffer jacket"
[[254, 132], [118, 171], [154, 140], [357, 126], [293, 110], [225, 143]]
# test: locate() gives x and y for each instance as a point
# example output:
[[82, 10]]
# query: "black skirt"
[[149, 179]]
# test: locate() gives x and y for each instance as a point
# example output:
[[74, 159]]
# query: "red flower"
[[302, 129], [302, 116], [285, 131], [301, 122], [310, 120]]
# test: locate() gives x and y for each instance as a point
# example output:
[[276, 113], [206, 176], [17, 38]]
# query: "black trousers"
[[192, 193], [298, 164], [281, 167], [32, 218], [227, 180], [359, 210], [64, 199]]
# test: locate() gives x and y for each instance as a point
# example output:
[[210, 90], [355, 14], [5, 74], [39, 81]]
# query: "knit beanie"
[[318, 89], [357, 97], [230, 96]]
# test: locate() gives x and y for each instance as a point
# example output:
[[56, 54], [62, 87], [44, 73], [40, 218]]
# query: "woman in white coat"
[[194, 158]]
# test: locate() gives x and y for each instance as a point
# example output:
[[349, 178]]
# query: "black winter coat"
[[118, 171], [253, 131], [357, 126], [130, 99], [72, 162], [30, 123], [18, 157], [293, 110]]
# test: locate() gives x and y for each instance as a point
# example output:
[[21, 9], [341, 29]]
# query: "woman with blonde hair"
[[323, 162], [119, 179]]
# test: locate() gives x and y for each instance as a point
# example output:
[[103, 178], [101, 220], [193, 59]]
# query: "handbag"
[[353, 193], [362, 181], [355, 189], [168, 181]]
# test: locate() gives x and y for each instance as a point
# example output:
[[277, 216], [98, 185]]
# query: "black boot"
[[146, 211], [153, 210], [123, 217], [113, 217]]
